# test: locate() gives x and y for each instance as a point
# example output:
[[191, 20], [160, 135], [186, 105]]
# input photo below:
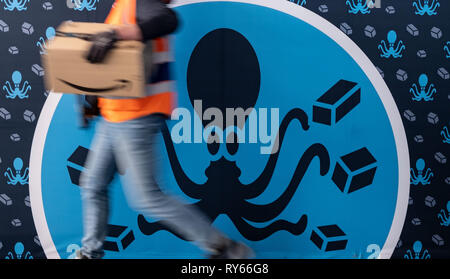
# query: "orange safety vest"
[[162, 98]]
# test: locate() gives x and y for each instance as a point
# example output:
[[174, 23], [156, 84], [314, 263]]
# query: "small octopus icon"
[[89, 5], [418, 253], [357, 7], [426, 7], [18, 253], [444, 215], [424, 93], [447, 50], [424, 179], [50, 35], [445, 134], [12, 93], [392, 50], [20, 5], [299, 2], [18, 177]]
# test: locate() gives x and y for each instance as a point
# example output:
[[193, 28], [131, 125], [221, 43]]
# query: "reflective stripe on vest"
[[159, 87]]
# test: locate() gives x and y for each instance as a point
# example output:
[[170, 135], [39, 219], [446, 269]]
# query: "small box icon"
[[337, 102], [354, 171], [329, 238]]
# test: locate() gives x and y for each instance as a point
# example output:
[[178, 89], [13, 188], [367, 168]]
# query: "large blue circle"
[[298, 64]]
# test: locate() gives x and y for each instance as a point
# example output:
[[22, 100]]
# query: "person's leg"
[[99, 170], [137, 152]]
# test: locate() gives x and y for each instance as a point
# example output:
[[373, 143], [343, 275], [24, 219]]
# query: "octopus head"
[[18, 249], [50, 33], [420, 164], [417, 247], [423, 80], [392, 37], [16, 78]]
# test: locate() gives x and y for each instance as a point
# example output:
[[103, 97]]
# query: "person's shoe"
[[80, 255], [233, 250]]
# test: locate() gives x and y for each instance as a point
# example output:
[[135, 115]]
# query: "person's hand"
[[102, 43]]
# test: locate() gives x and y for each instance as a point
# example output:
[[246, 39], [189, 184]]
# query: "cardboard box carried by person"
[[123, 72]]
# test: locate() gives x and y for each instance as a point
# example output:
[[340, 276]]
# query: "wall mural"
[[341, 152]]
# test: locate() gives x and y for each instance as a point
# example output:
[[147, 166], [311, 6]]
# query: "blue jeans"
[[132, 144]]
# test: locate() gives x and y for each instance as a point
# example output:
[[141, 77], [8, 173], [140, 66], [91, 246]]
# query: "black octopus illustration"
[[223, 193], [224, 72]]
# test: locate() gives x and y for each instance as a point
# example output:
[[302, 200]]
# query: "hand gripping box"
[[122, 73]]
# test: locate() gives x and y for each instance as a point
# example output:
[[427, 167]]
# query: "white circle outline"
[[317, 22]]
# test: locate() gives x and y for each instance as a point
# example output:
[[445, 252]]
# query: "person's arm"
[[154, 19], [129, 32]]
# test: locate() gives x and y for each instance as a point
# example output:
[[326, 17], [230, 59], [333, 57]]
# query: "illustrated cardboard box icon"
[[122, 73], [118, 238], [354, 171], [329, 238], [337, 102], [75, 164]]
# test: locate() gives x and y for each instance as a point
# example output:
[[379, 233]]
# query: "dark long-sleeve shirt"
[[155, 19]]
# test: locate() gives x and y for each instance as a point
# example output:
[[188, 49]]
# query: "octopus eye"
[[213, 143], [232, 143]]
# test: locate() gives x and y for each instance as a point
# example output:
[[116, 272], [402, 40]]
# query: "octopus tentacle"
[[400, 46], [25, 175], [25, 90], [8, 88], [351, 4], [445, 134], [413, 177], [189, 187], [92, 4], [257, 234], [253, 212], [10, 256], [21, 5], [433, 9], [9, 175], [415, 91], [385, 52], [10, 4], [148, 228], [28, 255], [408, 255], [418, 6], [24, 93], [365, 9], [260, 184], [443, 216], [427, 176], [431, 91]]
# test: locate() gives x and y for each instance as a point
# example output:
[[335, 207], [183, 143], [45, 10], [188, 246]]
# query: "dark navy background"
[[421, 222]]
